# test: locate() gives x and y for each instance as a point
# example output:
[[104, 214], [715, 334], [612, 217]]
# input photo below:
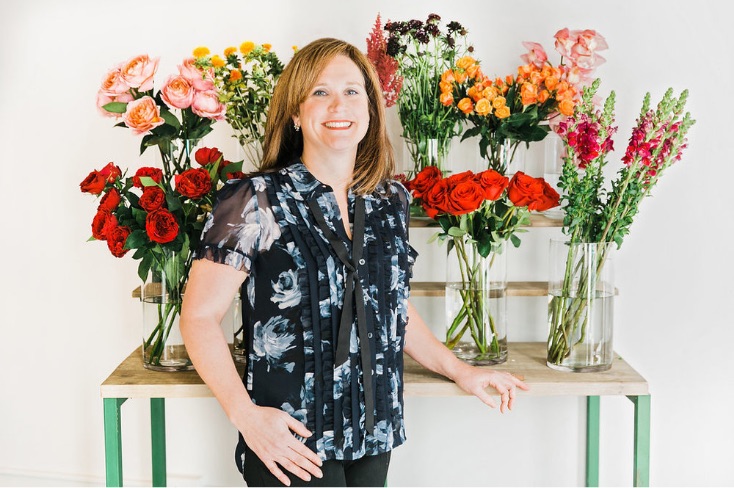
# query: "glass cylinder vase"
[[553, 168], [580, 306], [162, 295], [476, 303], [425, 151]]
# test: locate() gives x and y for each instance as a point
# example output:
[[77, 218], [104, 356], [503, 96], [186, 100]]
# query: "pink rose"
[[112, 84], [177, 92], [536, 54], [206, 104], [142, 115], [202, 80], [138, 72]]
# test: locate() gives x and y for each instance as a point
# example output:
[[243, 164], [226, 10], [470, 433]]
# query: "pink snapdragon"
[[584, 136]]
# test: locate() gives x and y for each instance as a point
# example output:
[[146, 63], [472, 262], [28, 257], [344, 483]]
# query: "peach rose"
[[446, 99], [529, 93], [465, 105], [138, 72], [142, 115], [448, 76], [112, 84], [445, 87], [566, 107], [490, 93], [543, 96], [502, 112], [206, 104], [460, 77], [474, 71], [499, 102], [200, 79], [177, 92], [464, 62], [551, 82], [483, 107]]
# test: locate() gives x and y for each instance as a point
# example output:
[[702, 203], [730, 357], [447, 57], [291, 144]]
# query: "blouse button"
[[369, 335], [361, 261]]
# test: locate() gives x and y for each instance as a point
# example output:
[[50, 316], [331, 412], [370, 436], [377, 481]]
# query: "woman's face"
[[335, 115]]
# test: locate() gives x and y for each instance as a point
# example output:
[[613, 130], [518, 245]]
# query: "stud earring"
[[296, 126]]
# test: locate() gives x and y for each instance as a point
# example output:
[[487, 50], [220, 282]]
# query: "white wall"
[[68, 319]]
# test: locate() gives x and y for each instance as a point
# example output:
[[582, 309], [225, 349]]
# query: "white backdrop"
[[65, 308]]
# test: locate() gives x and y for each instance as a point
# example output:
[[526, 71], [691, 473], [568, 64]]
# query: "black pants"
[[366, 471]]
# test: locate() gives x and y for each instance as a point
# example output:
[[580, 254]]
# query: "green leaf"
[[456, 232], [138, 238], [515, 240], [173, 202], [115, 107], [170, 119], [144, 266], [148, 181], [140, 216]]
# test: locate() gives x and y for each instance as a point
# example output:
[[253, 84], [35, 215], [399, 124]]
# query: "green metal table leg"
[[113, 440], [592, 441], [158, 440], [642, 440]]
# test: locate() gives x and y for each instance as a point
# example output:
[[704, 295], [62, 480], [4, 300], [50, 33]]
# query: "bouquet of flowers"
[[478, 213], [506, 111], [595, 213], [423, 51], [245, 80], [159, 212]]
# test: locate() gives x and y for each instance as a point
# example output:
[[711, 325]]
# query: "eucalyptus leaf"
[[456, 232], [115, 107]]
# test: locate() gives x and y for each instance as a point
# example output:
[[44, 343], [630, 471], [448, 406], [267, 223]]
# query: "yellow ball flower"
[[217, 62], [267, 47], [229, 51], [246, 47], [201, 51]]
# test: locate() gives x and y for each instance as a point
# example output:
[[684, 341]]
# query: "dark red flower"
[[207, 155], [152, 199], [116, 238], [193, 183], [94, 183], [161, 226], [155, 174]]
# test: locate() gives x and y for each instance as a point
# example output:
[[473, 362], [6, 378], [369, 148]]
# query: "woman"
[[318, 241]]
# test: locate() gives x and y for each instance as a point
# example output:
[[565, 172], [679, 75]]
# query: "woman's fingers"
[[275, 470]]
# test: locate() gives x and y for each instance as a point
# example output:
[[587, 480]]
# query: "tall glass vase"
[[476, 303], [162, 295], [580, 306], [505, 156], [425, 151]]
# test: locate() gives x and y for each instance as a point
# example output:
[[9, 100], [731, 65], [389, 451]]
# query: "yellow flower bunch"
[[245, 78]]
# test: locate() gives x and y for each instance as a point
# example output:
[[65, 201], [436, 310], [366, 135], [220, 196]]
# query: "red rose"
[[237, 175], [161, 226], [94, 183], [193, 183], [465, 197], [153, 198], [524, 189], [154, 173], [110, 200], [207, 155], [460, 178], [423, 181], [493, 183], [436, 198], [549, 199], [102, 223], [116, 241], [110, 172]]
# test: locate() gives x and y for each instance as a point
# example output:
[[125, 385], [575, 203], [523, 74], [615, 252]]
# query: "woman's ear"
[[296, 122]]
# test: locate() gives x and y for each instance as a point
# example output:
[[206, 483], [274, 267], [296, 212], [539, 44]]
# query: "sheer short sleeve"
[[240, 226]]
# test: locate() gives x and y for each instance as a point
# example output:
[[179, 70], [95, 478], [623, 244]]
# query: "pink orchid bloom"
[[536, 54]]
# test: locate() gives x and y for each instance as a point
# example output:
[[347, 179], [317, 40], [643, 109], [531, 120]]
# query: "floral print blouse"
[[325, 317]]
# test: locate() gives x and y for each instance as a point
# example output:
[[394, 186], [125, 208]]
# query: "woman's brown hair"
[[283, 144]]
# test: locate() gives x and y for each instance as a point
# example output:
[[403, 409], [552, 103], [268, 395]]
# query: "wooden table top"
[[525, 359]]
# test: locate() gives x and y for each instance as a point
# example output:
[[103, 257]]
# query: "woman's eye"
[[352, 91], [319, 93]]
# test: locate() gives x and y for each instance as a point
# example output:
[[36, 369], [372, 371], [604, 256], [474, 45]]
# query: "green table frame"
[[131, 380]]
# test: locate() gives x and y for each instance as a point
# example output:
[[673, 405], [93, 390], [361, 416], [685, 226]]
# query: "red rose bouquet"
[[478, 213], [596, 213], [159, 212]]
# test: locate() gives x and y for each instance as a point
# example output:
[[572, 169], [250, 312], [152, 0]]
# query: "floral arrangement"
[[423, 51], [511, 109], [477, 214], [385, 65], [245, 80], [600, 213], [159, 212]]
